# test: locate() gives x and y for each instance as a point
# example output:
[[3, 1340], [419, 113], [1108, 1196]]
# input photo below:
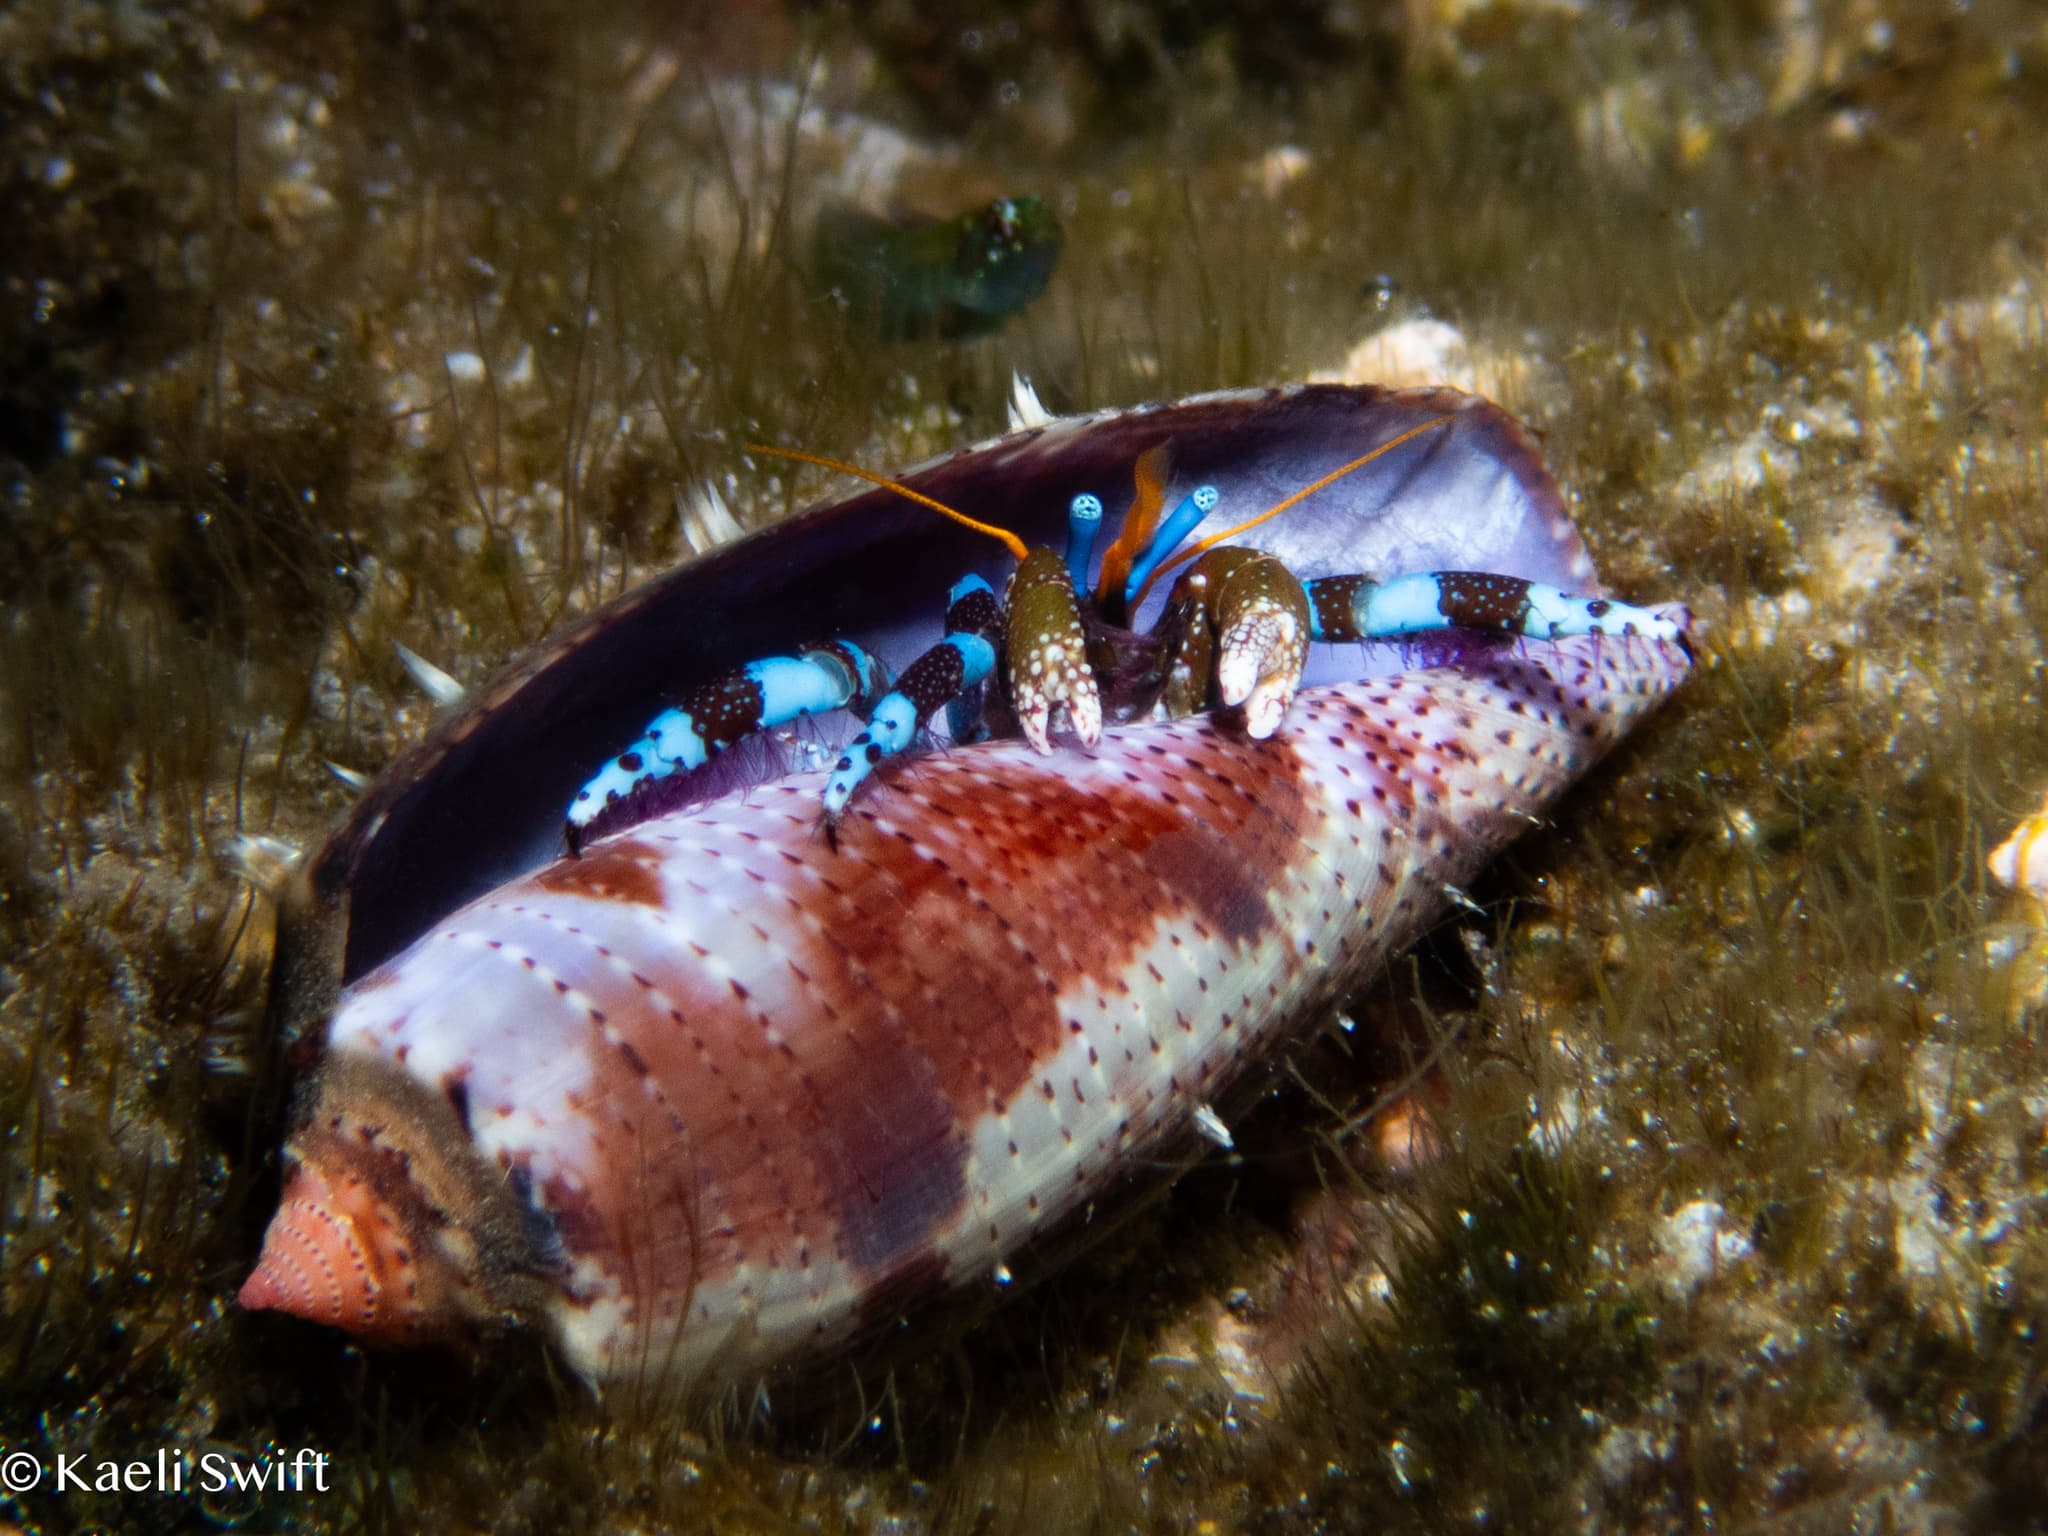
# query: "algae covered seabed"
[[428, 327]]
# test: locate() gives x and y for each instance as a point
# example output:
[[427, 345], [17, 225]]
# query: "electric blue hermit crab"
[[770, 1055]]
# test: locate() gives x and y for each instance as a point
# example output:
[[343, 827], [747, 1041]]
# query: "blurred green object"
[[904, 279]]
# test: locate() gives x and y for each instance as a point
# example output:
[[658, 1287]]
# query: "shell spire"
[[334, 1254], [391, 1226]]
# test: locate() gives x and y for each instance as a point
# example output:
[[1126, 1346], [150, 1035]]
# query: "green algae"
[[1787, 332]]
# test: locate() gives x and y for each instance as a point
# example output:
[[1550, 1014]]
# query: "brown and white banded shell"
[[716, 1095]]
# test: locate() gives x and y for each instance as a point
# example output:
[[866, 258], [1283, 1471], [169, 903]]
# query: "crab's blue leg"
[[961, 661], [1179, 523], [971, 609], [1356, 608], [1084, 522], [712, 716]]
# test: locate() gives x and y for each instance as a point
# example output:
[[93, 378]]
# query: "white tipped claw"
[[705, 520], [2021, 861], [1237, 673], [1035, 720], [1258, 665], [1076, 698], [1084, 709], [1266, 708], [1211, 1125]]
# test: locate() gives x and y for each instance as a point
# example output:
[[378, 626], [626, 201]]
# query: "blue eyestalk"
[[1084, 521], [1178, 524]]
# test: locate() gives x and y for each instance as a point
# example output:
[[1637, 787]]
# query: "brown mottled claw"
[[1260, 617], [1263, 623], [1048, 660]]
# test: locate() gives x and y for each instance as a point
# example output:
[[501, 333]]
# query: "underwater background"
[[1696, 1180]]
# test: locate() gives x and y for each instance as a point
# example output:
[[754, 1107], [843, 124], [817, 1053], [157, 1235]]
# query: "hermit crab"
[[769, 1052]]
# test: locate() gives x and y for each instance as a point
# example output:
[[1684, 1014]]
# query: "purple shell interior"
[[482, 798]]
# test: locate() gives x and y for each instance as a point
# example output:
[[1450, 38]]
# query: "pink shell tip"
[[333, 1254]]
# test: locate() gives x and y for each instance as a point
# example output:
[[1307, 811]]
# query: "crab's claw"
[[1262, 619], [1048, 654]]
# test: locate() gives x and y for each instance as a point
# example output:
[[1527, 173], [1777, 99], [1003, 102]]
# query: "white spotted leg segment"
[[1356, 608], [713, 716], [942, 674]]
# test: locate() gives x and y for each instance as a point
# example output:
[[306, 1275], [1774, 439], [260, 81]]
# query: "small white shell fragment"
[[1698, 1241], [1025, 408], [705, 519], [1281, 168], [353, 778], [1426, 351], [2021, 861], [434, 683], [265, 862], [1211, 1125]]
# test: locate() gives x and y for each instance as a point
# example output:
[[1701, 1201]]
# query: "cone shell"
[[764, 1093], [718, 1096]]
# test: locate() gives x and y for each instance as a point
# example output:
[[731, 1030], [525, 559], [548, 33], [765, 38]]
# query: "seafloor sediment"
[[430, 328]]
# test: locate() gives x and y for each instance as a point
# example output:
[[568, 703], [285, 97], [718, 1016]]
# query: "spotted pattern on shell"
[[755, 1119], [717, 1096]]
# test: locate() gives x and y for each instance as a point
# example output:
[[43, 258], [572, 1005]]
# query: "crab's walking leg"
[[1245, 614], [959, 662], [712, 716], [1048, 654], [1356, 608]]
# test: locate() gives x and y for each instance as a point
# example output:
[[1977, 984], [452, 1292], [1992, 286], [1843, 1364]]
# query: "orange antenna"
[[1002, 536], [1135, 536], [1194, 551]]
